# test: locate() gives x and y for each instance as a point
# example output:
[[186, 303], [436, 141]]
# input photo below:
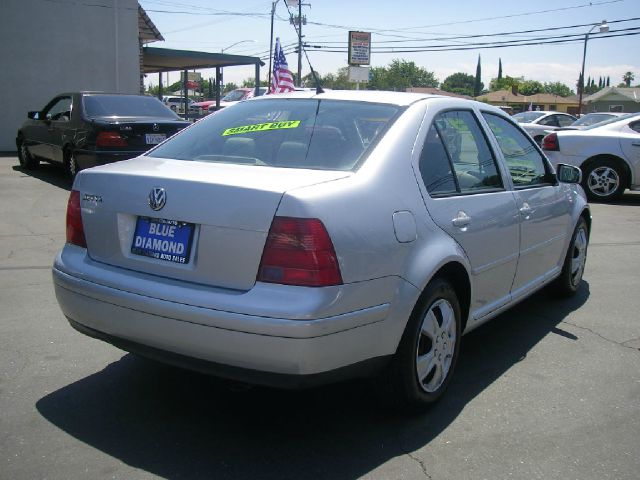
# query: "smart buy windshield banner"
[[260, 127]]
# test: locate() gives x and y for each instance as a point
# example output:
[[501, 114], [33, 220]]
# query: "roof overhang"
[[167, 60]]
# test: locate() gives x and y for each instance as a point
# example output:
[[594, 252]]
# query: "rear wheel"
[[423, 365], [71, 164], [569, 280], [27, 161], [604, 179]]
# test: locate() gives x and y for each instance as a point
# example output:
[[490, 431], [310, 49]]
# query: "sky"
[[212, 26]]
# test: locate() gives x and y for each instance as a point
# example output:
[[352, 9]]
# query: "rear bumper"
[[247, 347], [92, 158]]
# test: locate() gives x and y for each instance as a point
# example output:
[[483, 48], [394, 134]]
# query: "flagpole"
[[273, 12]]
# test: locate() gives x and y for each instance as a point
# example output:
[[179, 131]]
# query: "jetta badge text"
[[157, 198]]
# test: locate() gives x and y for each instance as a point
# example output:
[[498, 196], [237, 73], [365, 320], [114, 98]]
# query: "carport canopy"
[[156, 60]]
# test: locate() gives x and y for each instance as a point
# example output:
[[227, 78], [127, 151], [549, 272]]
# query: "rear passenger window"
[[456, 157], [526, 165]]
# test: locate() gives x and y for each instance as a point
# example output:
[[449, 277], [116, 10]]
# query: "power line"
[[492, 46]]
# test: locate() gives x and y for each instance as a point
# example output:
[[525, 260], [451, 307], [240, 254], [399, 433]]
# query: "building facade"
[[614, 99], [516, 102], [48, 48]]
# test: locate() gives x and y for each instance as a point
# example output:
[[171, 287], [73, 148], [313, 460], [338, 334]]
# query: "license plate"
[[167, 240], [154, 138]]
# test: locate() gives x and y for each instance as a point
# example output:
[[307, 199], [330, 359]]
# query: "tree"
[[608, 81], [504, 83], [499, 69], [400, 75], [530, 87], [628, 77], [580, 84], [557, 88], [228, 87], [251, 82], [460, 83], [477, 86]]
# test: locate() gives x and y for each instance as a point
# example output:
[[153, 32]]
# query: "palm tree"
[[628, 77]]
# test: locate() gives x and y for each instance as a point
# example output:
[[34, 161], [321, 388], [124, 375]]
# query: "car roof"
[[372, 96]]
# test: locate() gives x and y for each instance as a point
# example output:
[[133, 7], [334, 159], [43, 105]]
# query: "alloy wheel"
[[436, 345], [603, 181]]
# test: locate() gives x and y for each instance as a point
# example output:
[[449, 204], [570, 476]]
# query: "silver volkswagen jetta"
[[305, 238]]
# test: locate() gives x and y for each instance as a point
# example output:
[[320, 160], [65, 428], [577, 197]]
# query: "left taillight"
[[75, 229], [550, 142], [110, 139]]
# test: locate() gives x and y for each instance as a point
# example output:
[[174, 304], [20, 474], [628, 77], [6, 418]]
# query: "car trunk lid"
[[220, 214]]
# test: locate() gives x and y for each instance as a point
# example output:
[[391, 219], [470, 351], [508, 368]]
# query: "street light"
[[220, 79], [604, 28], [234, 44], [273, 12]]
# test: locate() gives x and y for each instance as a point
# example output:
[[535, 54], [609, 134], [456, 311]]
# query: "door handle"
[[526, 209], [635, 144], [461, 220]]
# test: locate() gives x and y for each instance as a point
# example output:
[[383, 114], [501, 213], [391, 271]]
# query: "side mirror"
[[33, 115], [568, 173]]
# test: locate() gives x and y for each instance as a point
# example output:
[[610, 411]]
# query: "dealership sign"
[[359, 48]]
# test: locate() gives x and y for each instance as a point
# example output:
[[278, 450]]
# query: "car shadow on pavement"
[[179, 424], [52, 174]]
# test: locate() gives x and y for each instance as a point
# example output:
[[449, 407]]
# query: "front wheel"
[[604, 180], [27, 161], [569, 280], [423, 365]]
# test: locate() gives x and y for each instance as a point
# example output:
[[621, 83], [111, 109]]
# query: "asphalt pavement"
[[548, 390]]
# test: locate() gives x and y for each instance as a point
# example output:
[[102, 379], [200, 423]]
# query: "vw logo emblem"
[[157, 198], [155, 127]]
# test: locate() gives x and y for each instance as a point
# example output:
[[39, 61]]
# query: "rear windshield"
[[590, 119], [293, 133], [611, 120], [527, 117], [125, 106]]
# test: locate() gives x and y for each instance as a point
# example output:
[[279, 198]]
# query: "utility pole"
[[300, 43]]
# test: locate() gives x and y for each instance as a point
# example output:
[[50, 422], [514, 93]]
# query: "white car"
[[608, 154], [176, 103], [535, 123]]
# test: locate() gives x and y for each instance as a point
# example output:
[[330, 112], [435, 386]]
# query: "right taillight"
[[110, 139], [299, 251], [550, 142], [75, 229]]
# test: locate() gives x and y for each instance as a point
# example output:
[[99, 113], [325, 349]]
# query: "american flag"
[[282, 79]]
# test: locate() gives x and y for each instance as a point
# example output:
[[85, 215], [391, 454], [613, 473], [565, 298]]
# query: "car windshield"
[[291, 133], [125, 106], [591, 118], [527, 117], [612, 120], [234, 95]]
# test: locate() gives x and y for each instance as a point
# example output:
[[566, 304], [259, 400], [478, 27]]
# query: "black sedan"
[[83, 129]]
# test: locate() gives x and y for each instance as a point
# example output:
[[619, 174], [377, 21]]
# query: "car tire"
[[71, 166], [423, 365], [27, 161], [568, 283], [604, 179]]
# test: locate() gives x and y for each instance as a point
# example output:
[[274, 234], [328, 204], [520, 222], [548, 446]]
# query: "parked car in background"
[[589, 119], [176, 103], [536, 122], [305, 238], [237, 95], [608, 154], [84, 129]]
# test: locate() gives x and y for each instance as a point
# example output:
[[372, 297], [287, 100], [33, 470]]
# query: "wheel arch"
[[456, 274]]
